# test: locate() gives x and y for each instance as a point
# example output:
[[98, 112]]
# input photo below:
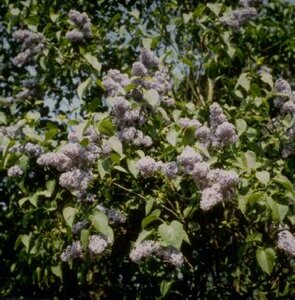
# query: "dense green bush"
[[147, 149]]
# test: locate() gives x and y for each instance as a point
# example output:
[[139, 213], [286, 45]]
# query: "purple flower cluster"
[[115, 216], [15, 171], [12, 131], [239, 17], [74, 160], [286, 242], [147, 249], [216, 185], [97, 245], [83, 24], [282, 87], [115, 81], [220, 134], [32, 43], [77, 227], [72, 251]]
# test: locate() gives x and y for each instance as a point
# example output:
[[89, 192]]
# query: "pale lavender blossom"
[[148, 58], [225, 135], [172, 256], [286, 242], [144, 250], [168, 101], [224, 178], [200, 172], [203, 134], [282, 86], [15, 171], [217, 117], [75, 36], [211, 196], [189, 157], [32, 150], [75, 179], [239, 17], [72, 251], [161, 81], [83, 23], [146, 166], [77, 227], [114, 215], [170, 169], [32, 43], [186, 122], [288, 107], [139, 69], [97, 244], [59, 161]]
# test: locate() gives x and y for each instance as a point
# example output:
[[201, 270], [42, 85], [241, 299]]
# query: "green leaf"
[[100, 222], [263, 176], [50, 186], [172, 234], [250, 157], [266, 259], [244, 82], [172, 137], [215, 7], [284, 181], [25, 239], [69, 214], [189, 136], [151, 97], [149, 205], [150, 218], [82, 87], [241, 126], [165, 287], [116, 145], [132, 167], [93, 61], [278, 211], [143, 235], [84, 238], [56, 270], [3, 119], [267, 78], [147, 43], [106, 127]]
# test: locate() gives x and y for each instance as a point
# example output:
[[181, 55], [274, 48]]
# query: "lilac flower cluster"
[[286, 242], [239, 17], [15, 171], [147, 249], [73, 160], [12, 131], [115, 81], [32, 43], [72, 251], [282, 87], [127, 106], [115, 216], [77, 227], [216, 185], [286, 104], [83, 24], [220, 134], [98, 243]]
